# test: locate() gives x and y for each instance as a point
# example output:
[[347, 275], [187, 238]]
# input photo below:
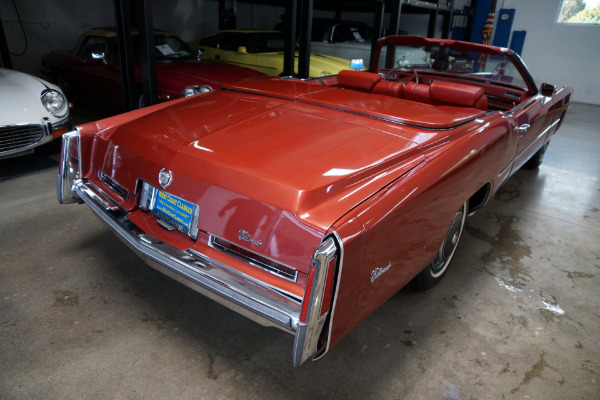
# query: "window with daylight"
[[579, 12]]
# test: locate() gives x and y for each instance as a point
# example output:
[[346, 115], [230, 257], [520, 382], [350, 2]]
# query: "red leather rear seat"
[[451, 93], [417, 92], [389, 88], [441, 93], [436, 93], [357, 80]]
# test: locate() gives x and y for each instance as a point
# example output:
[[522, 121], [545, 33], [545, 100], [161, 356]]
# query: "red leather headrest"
[[357, 79], [456, 93], [417, 92], [389, 88]]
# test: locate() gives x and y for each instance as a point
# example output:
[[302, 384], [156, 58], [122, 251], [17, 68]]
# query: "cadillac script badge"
[[245, 236], [377, 272]]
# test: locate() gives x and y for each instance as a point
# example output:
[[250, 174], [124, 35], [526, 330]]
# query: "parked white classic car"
[[32, 112]]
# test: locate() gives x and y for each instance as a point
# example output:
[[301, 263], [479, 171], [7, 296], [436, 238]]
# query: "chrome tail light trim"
[[313, 322], [69, 168]]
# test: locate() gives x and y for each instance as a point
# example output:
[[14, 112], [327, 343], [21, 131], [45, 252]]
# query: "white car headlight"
[[54, 102], [192, 90]]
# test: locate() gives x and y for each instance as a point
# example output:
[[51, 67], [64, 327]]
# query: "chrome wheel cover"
[[446, 252]]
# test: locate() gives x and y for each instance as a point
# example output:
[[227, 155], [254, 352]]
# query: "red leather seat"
[[358, 80], [389, 88], [417, 92], [451, 93], [441, 93]]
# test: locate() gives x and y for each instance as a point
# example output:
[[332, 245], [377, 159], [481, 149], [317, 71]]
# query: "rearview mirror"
[[547, 89]]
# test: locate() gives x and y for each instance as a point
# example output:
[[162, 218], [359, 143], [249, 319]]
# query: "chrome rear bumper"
[[195, 270], [307, 319]]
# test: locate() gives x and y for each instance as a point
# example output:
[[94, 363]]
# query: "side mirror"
[[242, 50], [99, 57], [547, 89]]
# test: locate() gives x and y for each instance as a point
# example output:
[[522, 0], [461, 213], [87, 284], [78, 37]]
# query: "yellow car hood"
[[320, 64]]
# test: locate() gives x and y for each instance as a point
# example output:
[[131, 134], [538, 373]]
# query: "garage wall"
[[49, 25], [557, 53]]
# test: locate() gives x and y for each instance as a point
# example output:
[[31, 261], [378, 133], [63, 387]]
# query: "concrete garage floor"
[[517, 317]]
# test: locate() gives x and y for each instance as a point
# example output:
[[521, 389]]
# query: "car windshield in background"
[[487, 67], [165, 47], [264, 42], [170, 47], [351, 32]]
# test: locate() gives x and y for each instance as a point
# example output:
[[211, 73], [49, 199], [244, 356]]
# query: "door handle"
[[217, 57], [522, 129]]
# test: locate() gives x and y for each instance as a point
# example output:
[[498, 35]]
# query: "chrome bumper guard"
[[215, 280], [195, 270]]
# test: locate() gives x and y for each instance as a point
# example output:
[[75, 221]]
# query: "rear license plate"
[[175, 211]]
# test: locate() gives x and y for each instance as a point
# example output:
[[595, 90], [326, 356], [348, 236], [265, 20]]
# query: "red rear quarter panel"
[[405, 223]]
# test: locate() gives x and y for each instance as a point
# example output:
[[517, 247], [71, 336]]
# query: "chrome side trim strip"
[[524, 104], [195, 270]]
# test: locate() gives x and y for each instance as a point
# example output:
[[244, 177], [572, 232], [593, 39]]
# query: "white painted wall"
[[556, 53]]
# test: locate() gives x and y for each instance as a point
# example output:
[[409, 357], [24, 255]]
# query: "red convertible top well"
[[386, 108]]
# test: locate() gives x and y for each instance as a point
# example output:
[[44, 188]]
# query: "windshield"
[[436, 59], [351, 32], [165, 47], [264, 42], [170, 47]]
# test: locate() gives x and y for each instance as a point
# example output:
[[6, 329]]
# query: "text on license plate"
[[174, 210]]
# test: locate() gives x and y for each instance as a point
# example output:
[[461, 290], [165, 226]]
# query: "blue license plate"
[[175, 211]]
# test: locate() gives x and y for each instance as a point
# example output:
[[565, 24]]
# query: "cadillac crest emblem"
[[165, 177]]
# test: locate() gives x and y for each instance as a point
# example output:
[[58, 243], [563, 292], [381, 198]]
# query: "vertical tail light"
[[69, 168], [317, 303], [328, 291]]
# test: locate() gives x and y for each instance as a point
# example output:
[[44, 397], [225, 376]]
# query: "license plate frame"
[[175, 211]]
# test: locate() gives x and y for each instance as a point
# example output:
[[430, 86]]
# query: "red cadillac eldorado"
[[307, 204]]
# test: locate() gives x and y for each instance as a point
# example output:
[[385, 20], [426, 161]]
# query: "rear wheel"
[[435, 271]]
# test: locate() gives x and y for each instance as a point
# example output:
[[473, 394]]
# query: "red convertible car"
[[307, 204], [91, 68]]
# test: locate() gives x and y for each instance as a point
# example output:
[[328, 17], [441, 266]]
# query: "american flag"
[[486, 33], [486, 36]]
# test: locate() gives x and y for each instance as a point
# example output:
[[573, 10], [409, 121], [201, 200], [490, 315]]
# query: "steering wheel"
[[413, 75]]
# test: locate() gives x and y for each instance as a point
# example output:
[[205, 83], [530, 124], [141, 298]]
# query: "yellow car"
[[261, 51]]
